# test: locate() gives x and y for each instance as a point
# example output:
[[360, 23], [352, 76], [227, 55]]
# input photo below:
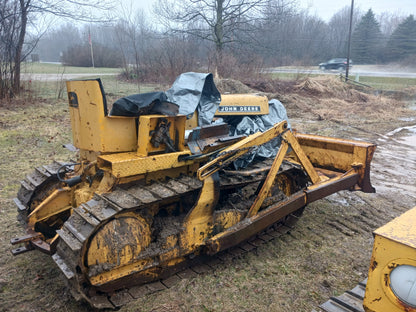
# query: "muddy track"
[[393, 174], [89, 217], [202, 265]]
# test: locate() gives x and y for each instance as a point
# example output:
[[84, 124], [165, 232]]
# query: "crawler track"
[[36, 186], [90, 216], [350, 301]]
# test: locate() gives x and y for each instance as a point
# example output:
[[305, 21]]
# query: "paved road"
[[362, 70]]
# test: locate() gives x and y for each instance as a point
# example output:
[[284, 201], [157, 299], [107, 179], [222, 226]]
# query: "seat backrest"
[[92, 129]]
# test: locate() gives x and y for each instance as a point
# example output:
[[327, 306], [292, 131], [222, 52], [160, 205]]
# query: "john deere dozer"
[[142, 201]]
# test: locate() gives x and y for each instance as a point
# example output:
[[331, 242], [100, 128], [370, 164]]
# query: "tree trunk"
[[219, 37], [19, 48]]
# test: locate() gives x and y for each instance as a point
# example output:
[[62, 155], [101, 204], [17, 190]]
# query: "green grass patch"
[[379, 83], [114, 88], [47, 68], [386, 83]]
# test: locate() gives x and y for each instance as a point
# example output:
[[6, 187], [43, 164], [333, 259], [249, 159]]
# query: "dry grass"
[[327, 252], [328, 100]]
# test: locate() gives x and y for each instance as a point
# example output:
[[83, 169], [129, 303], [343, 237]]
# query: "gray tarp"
[[191, 91], [195, 91], [251, 124]]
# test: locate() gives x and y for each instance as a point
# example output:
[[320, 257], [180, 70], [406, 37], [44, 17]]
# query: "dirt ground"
[[326, 253]]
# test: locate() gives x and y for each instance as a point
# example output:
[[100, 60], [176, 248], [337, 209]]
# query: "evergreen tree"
[[402, 42], [366, 40]]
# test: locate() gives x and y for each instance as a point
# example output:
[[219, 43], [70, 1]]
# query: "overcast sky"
[[327, 8]]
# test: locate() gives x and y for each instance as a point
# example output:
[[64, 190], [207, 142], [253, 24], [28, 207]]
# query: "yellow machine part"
[[59, 201], [394, 246], [115, 245], [243, 104], [98, 132], [148, 125], [192, 122], [130, 164]]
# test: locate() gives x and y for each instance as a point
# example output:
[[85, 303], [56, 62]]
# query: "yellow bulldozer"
[[151, 193]]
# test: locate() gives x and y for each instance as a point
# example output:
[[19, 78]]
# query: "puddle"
[[406, 139], [407, 119], [409, 140], [409, 128]]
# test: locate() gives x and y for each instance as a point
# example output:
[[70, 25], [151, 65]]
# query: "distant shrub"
[[80, 55]]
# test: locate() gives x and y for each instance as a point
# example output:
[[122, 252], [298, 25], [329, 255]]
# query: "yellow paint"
[[301, 155], [192, 122], [145, 267], [287, 139], [59, 201], [394, 244], [242, 104], [199, 221], [82, 194], [126, 154], [341, 154], [117, 244], [240, 148], [401, 229], [92, 130], [175, 261], [107, 183], [148, 124], [87, 156], [169, 255], [225, 219], [268, 182], [129, 164]]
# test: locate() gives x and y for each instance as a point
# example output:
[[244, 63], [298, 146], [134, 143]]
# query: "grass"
[[296, 272], [378, 83], [113, 87], [47, 68], [387, 83]]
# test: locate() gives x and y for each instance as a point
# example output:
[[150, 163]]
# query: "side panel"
[[387, 255], [394, 246]]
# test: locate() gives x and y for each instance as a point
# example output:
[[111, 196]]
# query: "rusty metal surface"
[[70, 249], [343, 183], [255, 224], [25, 238], [210, 138]]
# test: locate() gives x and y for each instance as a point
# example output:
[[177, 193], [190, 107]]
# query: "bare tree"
[[17, 15], [133, 35], [338, 31], [289, 35], [217, 21], [389, 22], [55, 41]]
